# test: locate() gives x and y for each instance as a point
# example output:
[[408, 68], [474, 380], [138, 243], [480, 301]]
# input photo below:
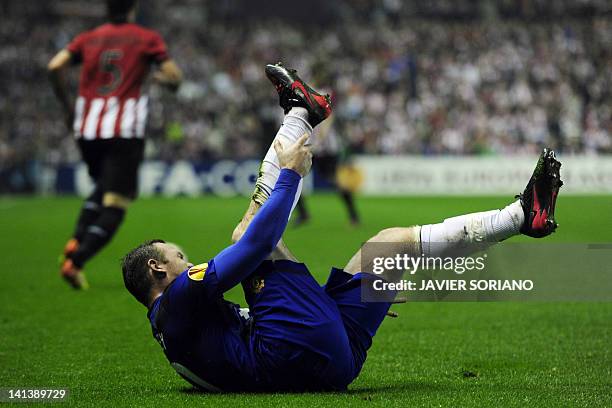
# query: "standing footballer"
[[108, 119]]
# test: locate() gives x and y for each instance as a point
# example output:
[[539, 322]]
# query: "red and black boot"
[[540, 196], [293, 92]]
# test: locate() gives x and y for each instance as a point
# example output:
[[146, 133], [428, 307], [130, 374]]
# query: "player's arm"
[[169, 74], [280, 252], [263, 234], [56, 68]]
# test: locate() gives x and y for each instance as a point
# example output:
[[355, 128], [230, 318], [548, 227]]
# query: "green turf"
[[99, 344]]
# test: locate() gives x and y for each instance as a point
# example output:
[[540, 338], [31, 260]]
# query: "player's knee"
[[385, 235], [112, 199], [398, 234], [413, 234]]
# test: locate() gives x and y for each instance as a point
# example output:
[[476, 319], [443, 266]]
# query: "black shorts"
[[113, 164]]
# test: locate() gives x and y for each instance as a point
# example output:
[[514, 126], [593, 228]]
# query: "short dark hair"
[[136, 270], [118, 9]]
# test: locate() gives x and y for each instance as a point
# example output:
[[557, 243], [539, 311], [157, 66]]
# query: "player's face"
[[176, 259]]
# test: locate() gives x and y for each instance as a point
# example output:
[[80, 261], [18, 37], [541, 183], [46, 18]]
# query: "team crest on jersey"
[[257, 284], [197, 272]]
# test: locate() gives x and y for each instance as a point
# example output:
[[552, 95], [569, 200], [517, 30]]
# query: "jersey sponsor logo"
[[197, 272]]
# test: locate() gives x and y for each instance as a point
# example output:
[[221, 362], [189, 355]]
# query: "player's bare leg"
[[532, 214]]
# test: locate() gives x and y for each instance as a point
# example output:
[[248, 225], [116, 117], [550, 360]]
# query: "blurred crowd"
[[401, 81]]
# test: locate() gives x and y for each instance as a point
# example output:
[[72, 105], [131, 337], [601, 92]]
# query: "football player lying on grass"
[[297, 335]]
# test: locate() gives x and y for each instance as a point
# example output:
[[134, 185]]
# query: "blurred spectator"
[[436, 77]]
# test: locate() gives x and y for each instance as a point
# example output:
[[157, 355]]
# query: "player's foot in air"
[[540, 196], [73, 275], [294, 92]]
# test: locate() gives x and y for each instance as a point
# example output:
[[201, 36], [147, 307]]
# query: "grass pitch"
[[98, 343]]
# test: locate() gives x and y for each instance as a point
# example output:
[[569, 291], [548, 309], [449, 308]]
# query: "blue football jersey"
[[205, 338]]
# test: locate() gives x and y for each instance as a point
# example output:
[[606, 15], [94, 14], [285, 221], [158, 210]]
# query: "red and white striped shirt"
[[106, 118], [116, 60]]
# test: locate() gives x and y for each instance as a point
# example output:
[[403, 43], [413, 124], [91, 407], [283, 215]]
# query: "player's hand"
[[159, 77], [169, 75], [296, 157], [164, 80]]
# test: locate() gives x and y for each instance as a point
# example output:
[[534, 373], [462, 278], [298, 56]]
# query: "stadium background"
[[478, 85]]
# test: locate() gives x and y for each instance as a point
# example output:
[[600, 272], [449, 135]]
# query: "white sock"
[[294, 126], [450, 236]]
